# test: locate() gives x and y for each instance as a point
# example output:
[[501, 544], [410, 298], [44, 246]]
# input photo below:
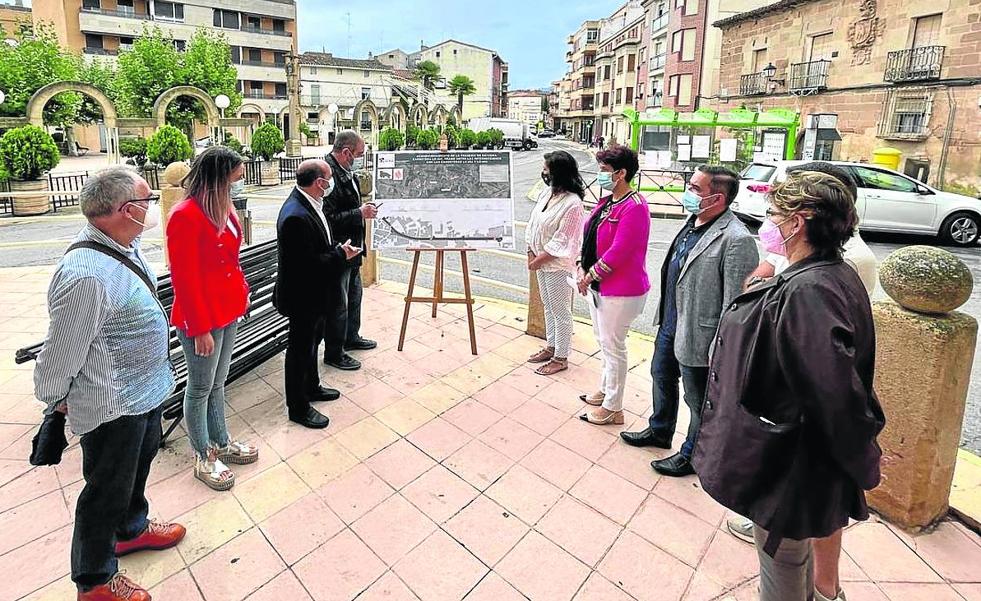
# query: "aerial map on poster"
[[459, 199]]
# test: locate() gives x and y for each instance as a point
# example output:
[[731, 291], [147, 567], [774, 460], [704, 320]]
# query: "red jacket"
[[210, 290]]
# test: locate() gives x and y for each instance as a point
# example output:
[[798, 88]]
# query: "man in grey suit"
[[704, 270]]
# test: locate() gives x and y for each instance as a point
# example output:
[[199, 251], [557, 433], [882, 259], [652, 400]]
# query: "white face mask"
[[357, 164], [330, 187], [237, 189], [151, 217]]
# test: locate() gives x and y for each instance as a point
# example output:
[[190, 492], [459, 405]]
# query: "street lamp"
[[222, 102], [769, 71]]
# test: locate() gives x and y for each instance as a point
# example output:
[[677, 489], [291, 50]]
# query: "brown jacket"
[[798, 352]]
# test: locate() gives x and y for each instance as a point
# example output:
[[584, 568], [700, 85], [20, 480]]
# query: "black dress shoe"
[[311, 419], [361, 344], [345, 362], [324, 394], [647, 438], [676, 465]]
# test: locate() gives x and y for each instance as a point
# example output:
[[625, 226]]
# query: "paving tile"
[[250, 394], [354, 493], [438, 397], [393, 528], [502, 397], [883, 556], [639, 567], [598, 588], [28, 485], [375, 396], [632, 463], [728, 561], [283, 587], [902, 591], [511, 438], [703, 588], [494, 588], [440, 569], [538, 416], [400, 463], [366, 438], [609, 494], [970, 592], [36, 564], [322, 462], [438, 438], [270, 491], [541, 570], [950, 552], [64, 588], [211, 525], [526, 380], [580, 530], [486, 529], [439, 493], [478, 464], [179, 586], [301, 528], [388, 588], [557, 464], [687, 493], [237, 569], [32, 520], [564, 396], [404, 416], [588, 440], [339, 569], [472, 416], [672, 529], [343, 413], [524, 494]]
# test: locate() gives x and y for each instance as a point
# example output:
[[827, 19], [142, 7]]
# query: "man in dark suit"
[[346, 215], [310, 263]]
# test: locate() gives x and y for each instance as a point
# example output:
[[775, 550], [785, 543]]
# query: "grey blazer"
[[713, 275]]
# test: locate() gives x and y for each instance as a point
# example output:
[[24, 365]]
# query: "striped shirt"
[[107, 352]]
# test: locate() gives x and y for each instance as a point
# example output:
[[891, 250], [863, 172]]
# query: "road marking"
[[58, 242]]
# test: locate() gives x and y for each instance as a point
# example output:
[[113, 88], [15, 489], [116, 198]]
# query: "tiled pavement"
[[442, 476]]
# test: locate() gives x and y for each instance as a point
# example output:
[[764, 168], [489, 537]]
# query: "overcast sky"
[[529, 34]]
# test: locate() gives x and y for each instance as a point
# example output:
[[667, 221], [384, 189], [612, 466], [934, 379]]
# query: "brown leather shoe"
[[119, 588], [156, 537]]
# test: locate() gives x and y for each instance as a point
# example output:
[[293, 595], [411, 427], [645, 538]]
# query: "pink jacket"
[[621, 245]]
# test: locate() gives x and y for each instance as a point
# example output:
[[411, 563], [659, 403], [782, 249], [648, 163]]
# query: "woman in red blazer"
[[210, 295]]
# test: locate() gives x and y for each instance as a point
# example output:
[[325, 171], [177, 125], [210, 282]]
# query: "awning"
[[828, 134]]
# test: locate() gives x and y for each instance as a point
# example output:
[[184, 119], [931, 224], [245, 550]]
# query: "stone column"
[[171, 193], [536, 310], [924, 355]]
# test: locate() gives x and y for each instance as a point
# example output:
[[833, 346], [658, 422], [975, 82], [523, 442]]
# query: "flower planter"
[[269, 173], [30, 205]]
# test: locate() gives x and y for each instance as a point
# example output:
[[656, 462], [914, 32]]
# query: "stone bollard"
[[171, 193], [369, 267], [924, 354], [536, 310]]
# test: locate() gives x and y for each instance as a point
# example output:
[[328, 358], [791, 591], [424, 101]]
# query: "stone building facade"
[[903, 74]]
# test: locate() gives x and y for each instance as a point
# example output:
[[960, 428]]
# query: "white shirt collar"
[[317, 204]]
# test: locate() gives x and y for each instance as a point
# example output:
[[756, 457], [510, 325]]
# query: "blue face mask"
[[692, 202], [605, 180]]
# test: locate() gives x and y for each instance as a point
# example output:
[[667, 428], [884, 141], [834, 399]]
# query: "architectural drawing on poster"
[[460, 199]]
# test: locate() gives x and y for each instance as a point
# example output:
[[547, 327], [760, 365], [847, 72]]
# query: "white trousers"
[[556, 293], [611, 322]]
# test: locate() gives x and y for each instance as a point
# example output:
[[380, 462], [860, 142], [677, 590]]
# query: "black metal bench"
[[261, 335]]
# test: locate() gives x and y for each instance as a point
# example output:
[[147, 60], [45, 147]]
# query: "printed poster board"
[[459, 199]]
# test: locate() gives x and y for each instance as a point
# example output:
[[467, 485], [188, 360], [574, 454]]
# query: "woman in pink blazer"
[[613, 275]]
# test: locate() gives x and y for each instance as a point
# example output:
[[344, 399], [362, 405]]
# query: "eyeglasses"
[[149, 200]]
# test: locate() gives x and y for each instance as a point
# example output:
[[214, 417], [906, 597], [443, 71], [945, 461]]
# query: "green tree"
[[168, 145], [461, 85], [207, 64], [267, 141], [427, 72], [34, 61], [390, 139]]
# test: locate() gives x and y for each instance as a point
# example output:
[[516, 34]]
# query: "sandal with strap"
[[553, 367], [238, 452], [214, 473], [595, 399], [542, 356]]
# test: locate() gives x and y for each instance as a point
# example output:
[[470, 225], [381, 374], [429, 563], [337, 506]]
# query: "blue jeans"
[[204, 397], [666, 371]]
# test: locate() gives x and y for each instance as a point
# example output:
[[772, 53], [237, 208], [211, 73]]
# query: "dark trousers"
[[116, 460], [344, 318], [302, 375], [666, 371]]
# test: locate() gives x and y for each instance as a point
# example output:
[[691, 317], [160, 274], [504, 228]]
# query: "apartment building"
[[327, 80], [904, 74], [485, 67], [577, 116], [617, 72], [262, 33], [526, 106]]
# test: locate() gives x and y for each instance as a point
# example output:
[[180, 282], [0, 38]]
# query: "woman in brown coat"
[[789, 426]]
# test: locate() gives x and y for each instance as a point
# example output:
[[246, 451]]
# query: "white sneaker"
[[741, 528], [819, 597]]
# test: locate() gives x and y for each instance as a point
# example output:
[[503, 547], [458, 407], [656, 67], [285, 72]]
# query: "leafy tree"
[[428, 73], [34, 61], [267, 141], [233, 143], [390, 139], [134, 148], [467, 138], [461, 85], [207, 64], [168, 145], [27, 152], [411, 132]]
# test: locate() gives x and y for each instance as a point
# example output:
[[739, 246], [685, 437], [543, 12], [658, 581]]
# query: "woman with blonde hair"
[[210, 296]]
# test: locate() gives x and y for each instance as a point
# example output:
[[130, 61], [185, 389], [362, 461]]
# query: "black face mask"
[[547, 179]]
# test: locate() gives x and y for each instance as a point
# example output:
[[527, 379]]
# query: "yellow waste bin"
[[887, 157]]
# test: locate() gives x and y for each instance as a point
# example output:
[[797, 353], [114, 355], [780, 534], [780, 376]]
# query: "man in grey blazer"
[[704, 270]]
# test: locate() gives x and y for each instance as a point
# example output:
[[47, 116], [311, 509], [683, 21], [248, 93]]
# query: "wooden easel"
[[437, 296]]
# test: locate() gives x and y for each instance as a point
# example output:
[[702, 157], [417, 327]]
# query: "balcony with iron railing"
[[753, 84], [659, 23], [812, 75], [254, 29], [117, 12], [657, 62], [263, 95], [914, 64]]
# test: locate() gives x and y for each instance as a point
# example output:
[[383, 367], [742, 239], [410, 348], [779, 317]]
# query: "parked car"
[[546, 133], [887, 202]]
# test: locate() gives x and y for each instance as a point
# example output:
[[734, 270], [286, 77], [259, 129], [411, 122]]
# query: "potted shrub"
[[483, 139], [390, 139], [168, 145], [27, 154], [232, 143], [267, 142], [496, 137], [134, 149], [466, 139], [427, 139], [411, 134]]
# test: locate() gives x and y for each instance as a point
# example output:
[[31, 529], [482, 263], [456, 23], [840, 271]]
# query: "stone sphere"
[[926, 279], [175, 172]]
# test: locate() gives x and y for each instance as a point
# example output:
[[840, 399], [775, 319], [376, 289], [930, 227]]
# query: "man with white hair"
[[106, 363]]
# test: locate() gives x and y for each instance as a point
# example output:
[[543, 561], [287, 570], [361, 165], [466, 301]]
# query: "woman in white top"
[[553, 236]]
